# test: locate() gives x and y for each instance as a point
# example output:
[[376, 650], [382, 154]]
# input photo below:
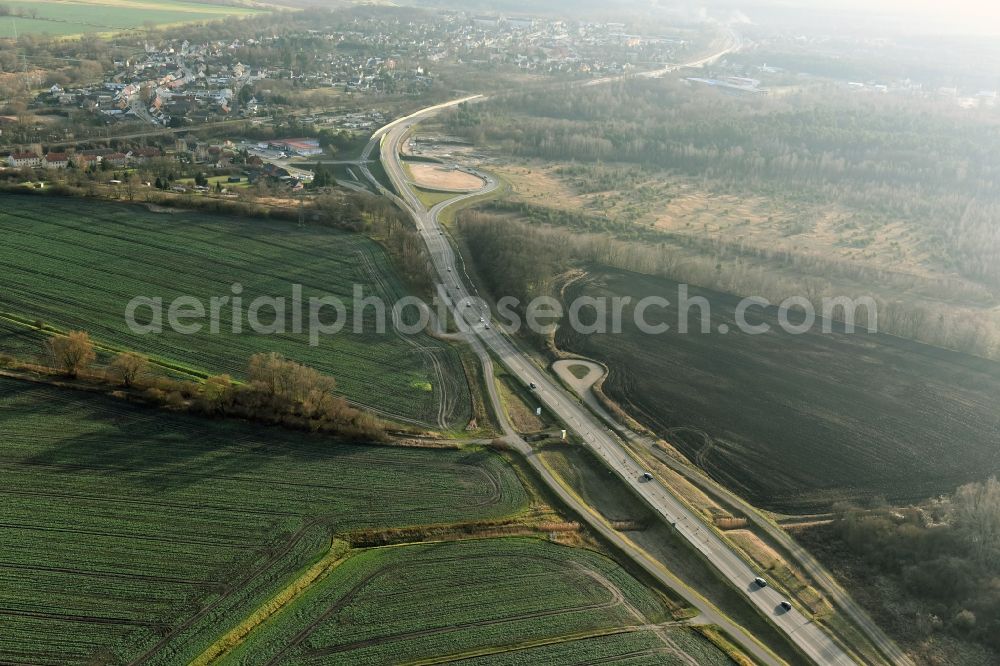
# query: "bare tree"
[[71, 353], [976, 514], [216, 393], [129, 366], [132, 183], [284, 378]]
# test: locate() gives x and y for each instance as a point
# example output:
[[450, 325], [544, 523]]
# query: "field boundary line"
[[339, 552], [526, 645], [680, 587], [54, 331]]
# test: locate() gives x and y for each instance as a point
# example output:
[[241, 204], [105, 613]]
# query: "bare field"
[[538, 184], [795, 423], [759, 221], [437, 177]]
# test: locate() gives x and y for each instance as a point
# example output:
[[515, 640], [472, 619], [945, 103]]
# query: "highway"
[[735, 42], [799, 555], [810, 638], [443, 257]]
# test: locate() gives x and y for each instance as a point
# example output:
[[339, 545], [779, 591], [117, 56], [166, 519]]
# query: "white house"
[[56, 160], [21, 160]]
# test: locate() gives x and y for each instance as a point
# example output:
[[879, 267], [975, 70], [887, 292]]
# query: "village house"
[[143, 155], [24, 160], [84, 161], [56, 160], [116, 159]]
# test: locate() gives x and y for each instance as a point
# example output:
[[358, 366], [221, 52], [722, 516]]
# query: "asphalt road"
[[443, 257], [803, 558], [808, 636], [812, 640]]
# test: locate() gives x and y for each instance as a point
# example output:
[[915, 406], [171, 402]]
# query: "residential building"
[[23, 160], [56, 160], [116, 159], [84, 161]]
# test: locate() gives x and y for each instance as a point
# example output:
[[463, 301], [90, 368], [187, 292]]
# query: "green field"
[[67, 17], [127, 530], [76, 264], [495, 601], [431, 198], [579, 469], [217, 180], [22, 341]]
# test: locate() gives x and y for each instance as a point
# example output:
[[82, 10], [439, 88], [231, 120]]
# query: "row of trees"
[[384, 222], [939, 287], [277, 390], [73, 354], [522, 259], [280, 390]]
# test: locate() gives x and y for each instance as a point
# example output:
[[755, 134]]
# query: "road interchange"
[[808, 636], [489, 342]]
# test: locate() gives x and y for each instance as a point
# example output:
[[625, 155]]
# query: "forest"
[[912, 167], [929, 571], [887, 158]]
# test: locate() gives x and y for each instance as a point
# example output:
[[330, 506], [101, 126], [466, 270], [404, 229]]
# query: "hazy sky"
[[975, 16]]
